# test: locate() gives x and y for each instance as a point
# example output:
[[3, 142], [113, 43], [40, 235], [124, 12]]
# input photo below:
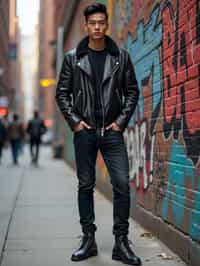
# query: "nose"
[[97, 26]]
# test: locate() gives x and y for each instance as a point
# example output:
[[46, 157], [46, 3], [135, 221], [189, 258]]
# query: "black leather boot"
[[123, 252], [88, 248]]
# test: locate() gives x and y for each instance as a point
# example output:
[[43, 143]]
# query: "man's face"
[[96, 26]]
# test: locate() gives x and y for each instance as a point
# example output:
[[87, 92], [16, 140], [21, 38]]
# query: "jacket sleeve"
[[131, 95], [64, 93]]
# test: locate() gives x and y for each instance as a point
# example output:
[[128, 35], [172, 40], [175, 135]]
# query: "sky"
[[27, 12]]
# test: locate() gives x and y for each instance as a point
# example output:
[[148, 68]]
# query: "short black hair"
[[36, 113], [95, 8]]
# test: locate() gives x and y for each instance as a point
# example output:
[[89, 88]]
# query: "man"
[[36, 128], [16, 135], [97, 93]]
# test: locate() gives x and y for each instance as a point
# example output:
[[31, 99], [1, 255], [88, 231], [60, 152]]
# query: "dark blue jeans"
[[34, 148], [87, 142], [15, 146]]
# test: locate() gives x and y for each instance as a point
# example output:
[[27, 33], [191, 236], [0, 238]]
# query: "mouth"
[[97, 34]]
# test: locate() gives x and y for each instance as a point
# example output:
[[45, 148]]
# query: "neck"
[[97, 44]]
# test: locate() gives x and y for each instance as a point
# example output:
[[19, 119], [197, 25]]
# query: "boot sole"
[[92, 254], [118, 258]]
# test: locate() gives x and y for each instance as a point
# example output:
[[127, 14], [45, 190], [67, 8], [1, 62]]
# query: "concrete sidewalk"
[[39, 223]]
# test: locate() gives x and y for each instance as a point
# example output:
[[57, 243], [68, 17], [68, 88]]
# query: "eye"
[[91, 22]]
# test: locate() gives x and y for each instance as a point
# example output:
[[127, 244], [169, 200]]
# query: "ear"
[[86, 27]]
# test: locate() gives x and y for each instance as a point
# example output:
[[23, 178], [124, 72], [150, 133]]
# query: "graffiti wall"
[[163, 137]]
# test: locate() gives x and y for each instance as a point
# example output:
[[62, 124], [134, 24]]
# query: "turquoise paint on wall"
[[180, 168]]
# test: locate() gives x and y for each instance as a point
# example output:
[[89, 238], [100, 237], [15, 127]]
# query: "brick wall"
[[163, 137], [4, 33], [46, 70]]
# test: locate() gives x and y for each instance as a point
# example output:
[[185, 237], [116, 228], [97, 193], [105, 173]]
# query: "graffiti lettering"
[[140, 151], [145, 55], [181, 86]]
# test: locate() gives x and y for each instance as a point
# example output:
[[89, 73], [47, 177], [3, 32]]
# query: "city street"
[[39, 223]]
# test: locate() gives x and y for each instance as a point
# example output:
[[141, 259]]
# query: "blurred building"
[[29, 76], [63, 13], [28, 54], [14, 66], [34, 68], [19, 72], [9, 61], [4, 61], [46, 74]]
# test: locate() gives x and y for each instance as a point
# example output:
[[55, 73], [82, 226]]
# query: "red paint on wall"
[[181, 66]]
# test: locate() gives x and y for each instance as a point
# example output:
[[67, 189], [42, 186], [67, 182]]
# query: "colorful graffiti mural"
[[163, 137], [181, 105]]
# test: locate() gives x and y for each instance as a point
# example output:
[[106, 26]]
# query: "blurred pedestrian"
[[2, 136], [36, 128], [16, 135], [97, 93]]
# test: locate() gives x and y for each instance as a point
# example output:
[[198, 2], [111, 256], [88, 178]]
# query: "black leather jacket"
[[119, 89]]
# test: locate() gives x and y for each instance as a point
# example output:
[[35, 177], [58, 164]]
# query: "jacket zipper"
[[102, 129]]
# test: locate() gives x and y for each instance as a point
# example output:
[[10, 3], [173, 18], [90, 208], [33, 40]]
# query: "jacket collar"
[[82, 48]]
